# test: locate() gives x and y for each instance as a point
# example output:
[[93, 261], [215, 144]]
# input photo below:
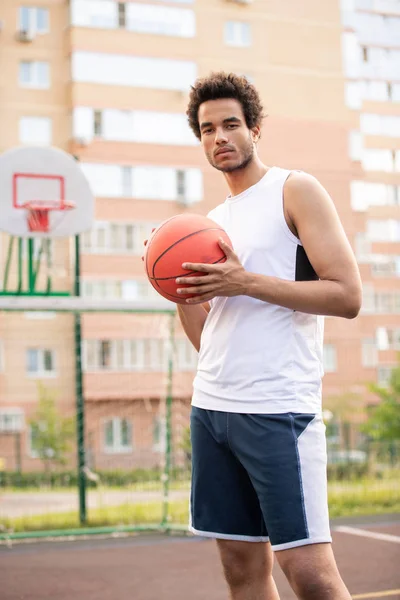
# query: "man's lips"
[[223, 151]]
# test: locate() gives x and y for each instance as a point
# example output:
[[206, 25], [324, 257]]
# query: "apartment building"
[[108, 81]]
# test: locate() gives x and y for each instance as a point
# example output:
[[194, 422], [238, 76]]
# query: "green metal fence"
[[94, 428]]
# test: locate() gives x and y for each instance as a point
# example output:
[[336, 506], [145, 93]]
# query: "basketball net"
[[38, 213]]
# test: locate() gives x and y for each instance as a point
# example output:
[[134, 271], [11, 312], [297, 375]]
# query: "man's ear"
[[256, 134]]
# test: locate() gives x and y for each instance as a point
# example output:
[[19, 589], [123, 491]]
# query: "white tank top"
[[257, 357]]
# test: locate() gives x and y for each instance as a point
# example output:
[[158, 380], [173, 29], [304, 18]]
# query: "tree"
[[51, 432], [383, 423]]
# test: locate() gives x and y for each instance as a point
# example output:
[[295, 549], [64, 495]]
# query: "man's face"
[[226, 139]]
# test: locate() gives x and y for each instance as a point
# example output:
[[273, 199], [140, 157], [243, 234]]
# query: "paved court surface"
[[153, 567]]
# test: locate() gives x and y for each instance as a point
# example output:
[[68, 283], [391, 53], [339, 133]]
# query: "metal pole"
[[8, 262], [31, 276], [18, 453], [168, 427], [80, 405], [20, 260]]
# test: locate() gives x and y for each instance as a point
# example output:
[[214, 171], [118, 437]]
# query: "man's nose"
[[220, 136]]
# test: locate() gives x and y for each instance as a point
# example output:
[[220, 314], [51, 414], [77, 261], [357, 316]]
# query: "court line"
[[386, 537], [384, 594]]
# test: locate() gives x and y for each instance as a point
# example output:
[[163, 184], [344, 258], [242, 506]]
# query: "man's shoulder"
[[298, 180]]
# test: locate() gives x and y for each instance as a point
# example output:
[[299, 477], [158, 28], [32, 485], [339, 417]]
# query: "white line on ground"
[[386, 537], [384, 594]]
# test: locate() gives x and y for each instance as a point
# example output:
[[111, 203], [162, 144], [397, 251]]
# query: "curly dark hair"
[[224, 85]]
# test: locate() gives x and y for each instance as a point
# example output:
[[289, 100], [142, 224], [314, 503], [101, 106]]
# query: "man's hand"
[[223, 279], [145, 242]]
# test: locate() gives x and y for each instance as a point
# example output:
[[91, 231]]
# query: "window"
[[352, 55], [143, 126], [166, 183], [330, 365], [153, 127], [11, 419], [369, 354], [378, 160], [368, 299], [159, 434], [355, 145], [380, 63], [33, 440], [40, 362], [362, 247], [160, 20], [95, 13], [373, 124], [119, 289], [34, 74], [388, 339], [148, 182], [127, 182], [374, 90], [353, 97], [125, 355], [383, 230], [133, 71], [383, 265], [35, 130], [237, 33], [396, 160], [384, 376], [117, 237], [39, 315], [1, 357], [186, 355], [34, 20], [365, 194], [395, 92], [117, 436]]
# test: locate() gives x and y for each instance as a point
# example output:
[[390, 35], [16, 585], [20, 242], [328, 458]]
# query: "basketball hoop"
[[38, 213]]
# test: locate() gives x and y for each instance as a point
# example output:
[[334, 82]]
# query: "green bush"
[[348, 471]]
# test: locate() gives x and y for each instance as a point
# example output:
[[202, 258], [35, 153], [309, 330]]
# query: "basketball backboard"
[[44, 194]]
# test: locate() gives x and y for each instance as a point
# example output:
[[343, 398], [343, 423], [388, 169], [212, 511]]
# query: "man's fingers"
[[202, 267], [201, 289]]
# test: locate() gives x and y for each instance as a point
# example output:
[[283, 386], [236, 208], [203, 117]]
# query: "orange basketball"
[[183, 238]]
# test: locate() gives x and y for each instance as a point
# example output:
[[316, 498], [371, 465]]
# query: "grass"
[[124, 514], [363, 497], [345, 499]]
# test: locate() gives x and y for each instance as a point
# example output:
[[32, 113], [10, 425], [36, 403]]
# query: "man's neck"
[[240, 180]]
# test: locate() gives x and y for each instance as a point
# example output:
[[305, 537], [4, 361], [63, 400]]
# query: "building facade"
[[108, 82]]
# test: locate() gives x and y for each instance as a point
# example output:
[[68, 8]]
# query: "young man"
[[259, 451]]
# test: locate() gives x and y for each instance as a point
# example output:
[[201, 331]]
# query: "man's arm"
[[313, 215], [193, 319]]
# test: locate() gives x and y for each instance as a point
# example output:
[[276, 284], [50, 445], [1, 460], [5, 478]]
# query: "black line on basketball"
[[155, 280], [185, 274], [181, 240], [159, 229]]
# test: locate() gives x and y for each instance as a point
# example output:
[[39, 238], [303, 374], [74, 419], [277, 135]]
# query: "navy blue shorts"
[[259, 477]]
